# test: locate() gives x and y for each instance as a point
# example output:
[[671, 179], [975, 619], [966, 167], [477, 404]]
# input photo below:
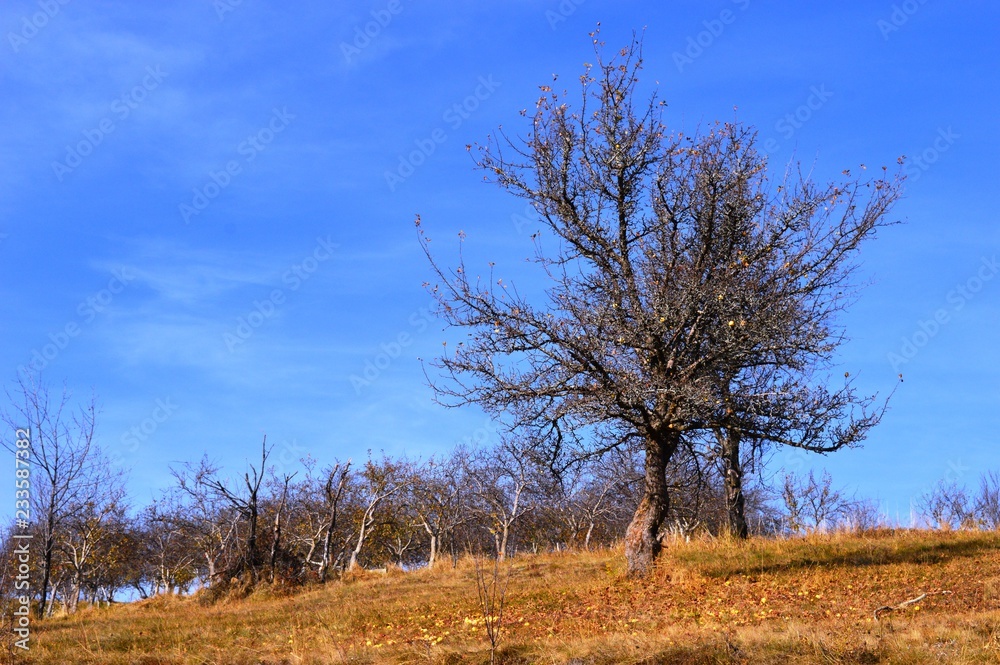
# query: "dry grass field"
[[787, 601]]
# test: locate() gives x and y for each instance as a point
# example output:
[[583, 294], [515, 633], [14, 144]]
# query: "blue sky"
[[207, 207]]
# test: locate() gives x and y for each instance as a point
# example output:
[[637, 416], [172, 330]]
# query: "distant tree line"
[[209, 530]]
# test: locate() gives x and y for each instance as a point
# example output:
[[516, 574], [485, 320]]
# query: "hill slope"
[[792, 601]]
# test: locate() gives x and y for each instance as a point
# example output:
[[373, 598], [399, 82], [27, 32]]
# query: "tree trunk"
[[75, 589], [362, 534], [50, 544], [275, 541], [502, 546], [275, 549], [328, 537], [642, 542], [307, 560], [733, 480], [325, 559], [53, 588], [252, 558], [434, 544]]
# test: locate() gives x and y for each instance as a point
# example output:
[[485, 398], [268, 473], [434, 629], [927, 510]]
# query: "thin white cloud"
[[195, 277]]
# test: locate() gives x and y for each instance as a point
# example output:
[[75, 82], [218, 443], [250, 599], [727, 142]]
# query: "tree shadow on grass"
[[859, 553]]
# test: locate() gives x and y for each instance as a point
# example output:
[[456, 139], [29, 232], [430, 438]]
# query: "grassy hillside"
[[796, 601]]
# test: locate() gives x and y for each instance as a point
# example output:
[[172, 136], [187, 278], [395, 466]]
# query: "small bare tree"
[[317, 525], [333, 491], [171, 549], [276, 533], [589, 495], [436, 488], [229, 516], [863, 515], [88, 527], [378, 481], [69, 471], [492, 581], [812, 503], [247, 504], [947, 506], [988, 500], [500, 483], [207, 519]]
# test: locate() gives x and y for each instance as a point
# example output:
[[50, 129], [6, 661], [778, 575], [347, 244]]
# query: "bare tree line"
[[216, 531]]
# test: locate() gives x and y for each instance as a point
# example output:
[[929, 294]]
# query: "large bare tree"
[[685, 292]]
